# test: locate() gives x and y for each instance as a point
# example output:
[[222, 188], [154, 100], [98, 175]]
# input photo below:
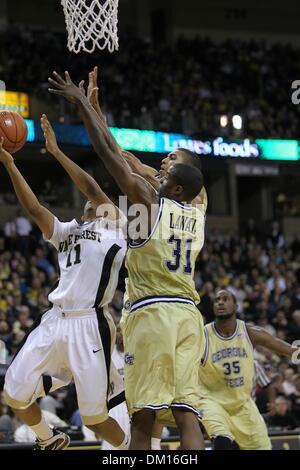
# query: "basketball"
[[13, 129]]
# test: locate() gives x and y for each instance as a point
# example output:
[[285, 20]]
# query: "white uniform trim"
[[182, 205], [206, 350], [225, 338], [248, 337], [155, 299]]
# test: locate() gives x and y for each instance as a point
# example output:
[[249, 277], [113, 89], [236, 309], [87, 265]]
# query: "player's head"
[[183, 156], [281, 406], [181, 183], [89, 212], [225, 305]]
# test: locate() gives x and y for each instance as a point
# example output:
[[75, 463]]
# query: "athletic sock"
[[155, 443], [42, 430]]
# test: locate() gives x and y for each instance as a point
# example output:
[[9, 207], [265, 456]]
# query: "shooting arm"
[[43, 218], [134, 163], [84, 182]]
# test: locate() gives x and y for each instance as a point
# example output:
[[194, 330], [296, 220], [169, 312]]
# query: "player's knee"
[[99, 427], [143, 420], [222, 443], [185, 418]]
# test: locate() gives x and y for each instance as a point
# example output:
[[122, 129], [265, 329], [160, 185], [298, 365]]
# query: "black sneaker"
[[58, 441]]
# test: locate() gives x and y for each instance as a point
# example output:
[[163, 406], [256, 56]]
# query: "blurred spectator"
[[288, 383], [10, 232], [6, 423], [23, 228], [24, 322], [282, 418], [276, 238], [295, 398], [181, 93], [294, 326]]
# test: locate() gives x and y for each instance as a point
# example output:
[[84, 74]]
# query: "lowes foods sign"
[[216, 147], [163, 142]]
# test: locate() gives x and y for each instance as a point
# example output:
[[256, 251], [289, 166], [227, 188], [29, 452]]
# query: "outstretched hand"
[[5, 157], [93, 94], [93, 89], [50, 137], [65, 87]]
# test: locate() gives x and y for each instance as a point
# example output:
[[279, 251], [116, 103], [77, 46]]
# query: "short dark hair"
[[192, 158], [190, 178], [231, 293], [233, 296]]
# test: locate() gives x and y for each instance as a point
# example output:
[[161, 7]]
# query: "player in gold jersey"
[[227, 374], [164, 331]]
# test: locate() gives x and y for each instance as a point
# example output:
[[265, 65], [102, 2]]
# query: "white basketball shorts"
[[65, 345]]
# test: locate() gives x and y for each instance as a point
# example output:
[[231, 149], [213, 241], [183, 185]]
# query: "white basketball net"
[[91, 24]]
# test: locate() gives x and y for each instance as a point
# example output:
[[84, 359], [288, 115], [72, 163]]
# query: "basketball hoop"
[[91, 24]]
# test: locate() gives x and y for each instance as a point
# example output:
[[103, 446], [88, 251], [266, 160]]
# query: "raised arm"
[[136, 188], [145, 171], [136, 166], [43, 218], [261, 337], [93, 94], [84, 182], [134, 163]]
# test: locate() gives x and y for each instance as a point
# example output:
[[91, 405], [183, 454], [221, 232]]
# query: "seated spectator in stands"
[[14, 343], [277, 381], [24, 227], [294, 326], [251, 230], [295, 399], [263, 322], [280, 321], [283, 419], [43, 263], [288, 383], [275, 238], [10, 233], [6, 423], [24, 322]]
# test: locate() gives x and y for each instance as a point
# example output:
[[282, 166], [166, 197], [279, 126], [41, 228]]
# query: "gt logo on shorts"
[[129, 358]]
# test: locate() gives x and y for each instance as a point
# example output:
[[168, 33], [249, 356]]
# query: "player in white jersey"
[[75, 338], [120, 412]]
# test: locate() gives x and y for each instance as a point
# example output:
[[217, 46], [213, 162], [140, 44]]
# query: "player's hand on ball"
[[5, 157], [50, 138], [65, 87]]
